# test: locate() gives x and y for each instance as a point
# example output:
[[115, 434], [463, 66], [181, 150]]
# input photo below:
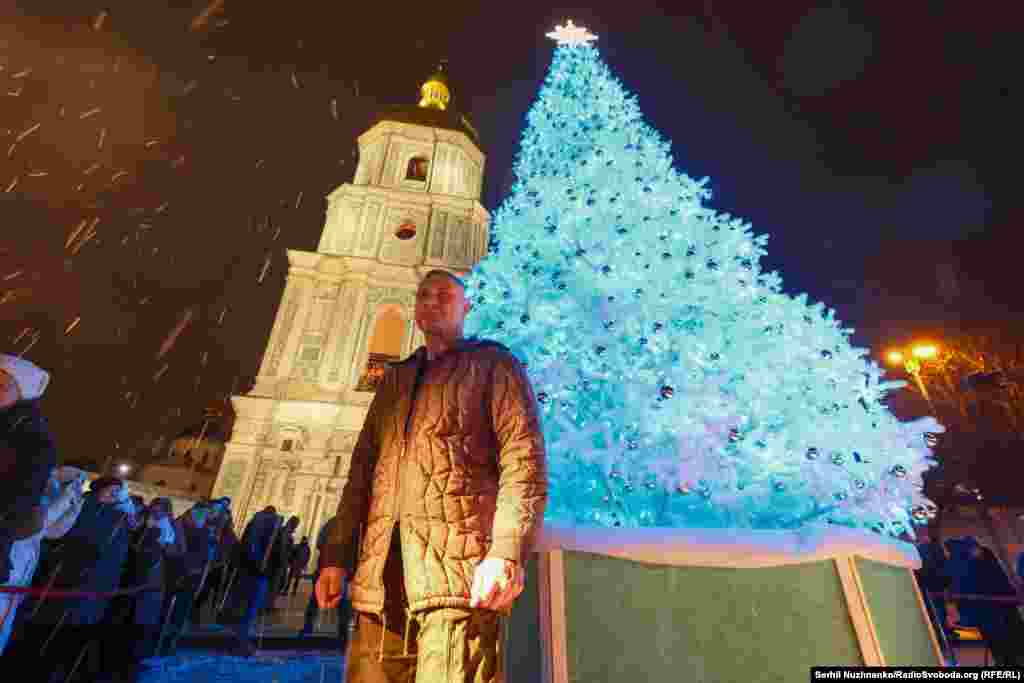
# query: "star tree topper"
[[571, 35]]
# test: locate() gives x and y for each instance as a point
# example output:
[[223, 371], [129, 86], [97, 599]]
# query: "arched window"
[[385, 347], [417, 169]]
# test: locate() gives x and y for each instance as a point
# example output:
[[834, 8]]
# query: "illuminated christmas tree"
[[679, 385]]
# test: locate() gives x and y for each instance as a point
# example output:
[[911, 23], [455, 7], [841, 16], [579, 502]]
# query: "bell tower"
[[347, 308]]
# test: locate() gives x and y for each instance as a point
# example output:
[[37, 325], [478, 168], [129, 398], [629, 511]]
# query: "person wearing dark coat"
[[136, 616], [156, 541], [975, 570], [299, 560], [27, 454], [961, 569], [28, 459], [999, 622], [91, 558], [933, 579], [287, 541], [222, 526], [259, 559], [189, 575]]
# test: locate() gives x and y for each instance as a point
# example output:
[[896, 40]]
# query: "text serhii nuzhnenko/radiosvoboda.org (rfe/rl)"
[[916, 674]]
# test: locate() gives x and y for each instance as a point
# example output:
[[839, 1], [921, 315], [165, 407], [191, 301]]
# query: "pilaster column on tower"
[[338, 370], [305, 289], [355, 346], [278, 336], [481, 221], [331, 375]]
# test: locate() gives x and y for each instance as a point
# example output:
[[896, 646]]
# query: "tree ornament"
[[838, 458], [667, 392], [898, 471], [812, 454]]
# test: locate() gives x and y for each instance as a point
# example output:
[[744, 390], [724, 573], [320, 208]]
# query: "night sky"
[[145, 219]]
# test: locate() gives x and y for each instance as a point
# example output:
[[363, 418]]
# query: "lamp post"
[[911, 362], [961, 376]]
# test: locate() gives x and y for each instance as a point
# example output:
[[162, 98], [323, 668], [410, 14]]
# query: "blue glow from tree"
[[679, 385]]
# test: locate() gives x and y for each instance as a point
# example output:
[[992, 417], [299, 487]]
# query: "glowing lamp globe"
[[926, 351], [894, 357]]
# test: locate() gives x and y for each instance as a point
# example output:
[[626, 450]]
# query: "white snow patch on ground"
[[263, 667]]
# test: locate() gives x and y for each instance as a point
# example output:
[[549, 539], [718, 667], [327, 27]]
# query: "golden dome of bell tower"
[[434, 92]]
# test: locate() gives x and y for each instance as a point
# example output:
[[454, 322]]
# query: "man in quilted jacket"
[[448, 485]]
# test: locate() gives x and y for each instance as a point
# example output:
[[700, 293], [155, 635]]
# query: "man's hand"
[[328, 587], [496, 584]]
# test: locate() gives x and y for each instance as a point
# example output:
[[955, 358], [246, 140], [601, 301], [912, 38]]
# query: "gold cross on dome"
[[571, 35]]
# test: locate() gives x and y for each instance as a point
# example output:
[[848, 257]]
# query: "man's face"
[[10, 393], [441, 306]]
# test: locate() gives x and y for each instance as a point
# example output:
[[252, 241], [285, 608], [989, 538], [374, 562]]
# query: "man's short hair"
[[437, 272]]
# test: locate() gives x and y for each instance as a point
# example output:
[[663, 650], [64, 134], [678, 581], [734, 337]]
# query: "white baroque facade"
[[413, 206]]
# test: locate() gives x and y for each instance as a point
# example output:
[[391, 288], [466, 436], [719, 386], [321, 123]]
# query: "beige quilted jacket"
[[452, 453]]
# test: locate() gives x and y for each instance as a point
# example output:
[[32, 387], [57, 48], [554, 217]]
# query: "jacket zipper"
[[397, 509]]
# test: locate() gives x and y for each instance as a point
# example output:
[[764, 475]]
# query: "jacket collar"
[[420, 355]]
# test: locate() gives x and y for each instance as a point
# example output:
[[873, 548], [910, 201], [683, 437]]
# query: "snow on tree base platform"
[[647, 604]]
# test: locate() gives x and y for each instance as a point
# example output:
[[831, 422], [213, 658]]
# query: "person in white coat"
[[28, 458], [62, 503]]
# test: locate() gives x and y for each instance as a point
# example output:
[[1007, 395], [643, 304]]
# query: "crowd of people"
[[961, 567], [93, 580]]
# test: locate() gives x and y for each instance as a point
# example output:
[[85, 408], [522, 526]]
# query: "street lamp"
[[912, 364]]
